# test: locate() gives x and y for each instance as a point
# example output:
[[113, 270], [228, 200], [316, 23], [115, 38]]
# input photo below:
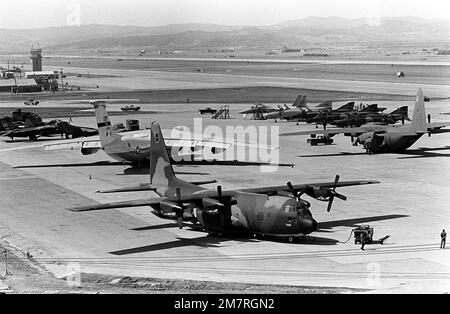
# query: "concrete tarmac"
[[410, 205]]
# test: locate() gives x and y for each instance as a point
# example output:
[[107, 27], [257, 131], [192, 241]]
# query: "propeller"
[[294, 193], [297, 195], [179, 212], [335, 194], [429, 121], [219, 192]]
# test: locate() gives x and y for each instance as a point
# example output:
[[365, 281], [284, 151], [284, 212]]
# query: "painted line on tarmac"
[[18, 178]]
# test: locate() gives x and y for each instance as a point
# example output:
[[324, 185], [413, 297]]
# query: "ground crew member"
[[443, 238], [362, 238]]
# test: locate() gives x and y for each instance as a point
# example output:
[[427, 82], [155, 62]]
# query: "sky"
[[45, 13]]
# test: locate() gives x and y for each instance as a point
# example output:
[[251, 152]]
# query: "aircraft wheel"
[[291, 239]]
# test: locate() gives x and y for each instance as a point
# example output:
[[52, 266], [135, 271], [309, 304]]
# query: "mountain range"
[[309, 31]]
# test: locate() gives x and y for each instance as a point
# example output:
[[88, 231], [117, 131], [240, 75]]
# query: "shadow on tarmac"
[[421, 152], [324, 226]]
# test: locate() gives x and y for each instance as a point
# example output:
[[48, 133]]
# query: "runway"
[[410, 204], [128, 80], [254, 60]]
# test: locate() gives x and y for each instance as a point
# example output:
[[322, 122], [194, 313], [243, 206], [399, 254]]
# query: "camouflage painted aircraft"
[[324, 117], [388, 138], [302, 112], [276, 211], [53, 128], [258, 110], [133, 148], [359, 118], [346, 116], [284, 113]]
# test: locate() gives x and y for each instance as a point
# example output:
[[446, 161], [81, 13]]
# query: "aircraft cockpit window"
[[290, 209]]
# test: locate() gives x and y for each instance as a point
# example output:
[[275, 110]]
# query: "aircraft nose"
[[308, 225]]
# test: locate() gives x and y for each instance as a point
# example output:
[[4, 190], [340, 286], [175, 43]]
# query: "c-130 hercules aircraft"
[[275, 211]]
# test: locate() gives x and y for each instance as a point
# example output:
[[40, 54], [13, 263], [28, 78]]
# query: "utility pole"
[[62, 80]]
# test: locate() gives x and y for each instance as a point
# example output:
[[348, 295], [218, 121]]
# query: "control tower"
[[36, 59]]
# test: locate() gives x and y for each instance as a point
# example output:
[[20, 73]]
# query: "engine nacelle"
[[319, 193], [371, 141], [214, 221], [89, 151]]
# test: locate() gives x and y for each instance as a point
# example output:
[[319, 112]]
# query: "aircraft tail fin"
[[347, 107], [402, 111], [105, 130], [300, 102], [29, 124], [161, 170], [326, 105], [419, 120]]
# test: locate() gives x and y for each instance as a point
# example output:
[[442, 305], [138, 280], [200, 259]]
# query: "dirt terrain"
[[25, 275]]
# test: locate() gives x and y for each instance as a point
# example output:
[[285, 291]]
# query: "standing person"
[[362, 238], [443, 238]]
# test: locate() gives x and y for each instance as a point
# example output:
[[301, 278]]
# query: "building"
[[6, 74], [42, 75], [19, 86], [36, 59]]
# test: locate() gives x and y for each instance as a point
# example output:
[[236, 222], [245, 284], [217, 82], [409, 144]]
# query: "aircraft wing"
[[328, 131], [134, 203], [300, 187], [272, 190], [90, 144], [26, 132], [437, 126]]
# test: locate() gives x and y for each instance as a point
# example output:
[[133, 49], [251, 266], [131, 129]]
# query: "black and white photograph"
[[221, 153]]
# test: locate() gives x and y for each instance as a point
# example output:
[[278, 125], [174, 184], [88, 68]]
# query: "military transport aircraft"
[[276, 211], [388, 138], [133, 148]]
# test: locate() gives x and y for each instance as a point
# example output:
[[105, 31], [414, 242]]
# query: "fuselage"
[[254, 213], [134, 147], [396, 140]]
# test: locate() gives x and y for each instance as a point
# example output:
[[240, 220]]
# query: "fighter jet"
[[389, 138], [133, 148], [285, 113], [52, 128], [258, 110], [302, 111], [359, 118], [326, 116], [276, 211]]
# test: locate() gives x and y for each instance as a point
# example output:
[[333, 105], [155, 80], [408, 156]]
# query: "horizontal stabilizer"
[[149, 187]]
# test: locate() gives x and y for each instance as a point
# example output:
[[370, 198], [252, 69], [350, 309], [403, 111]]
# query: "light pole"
[[62, 80]]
